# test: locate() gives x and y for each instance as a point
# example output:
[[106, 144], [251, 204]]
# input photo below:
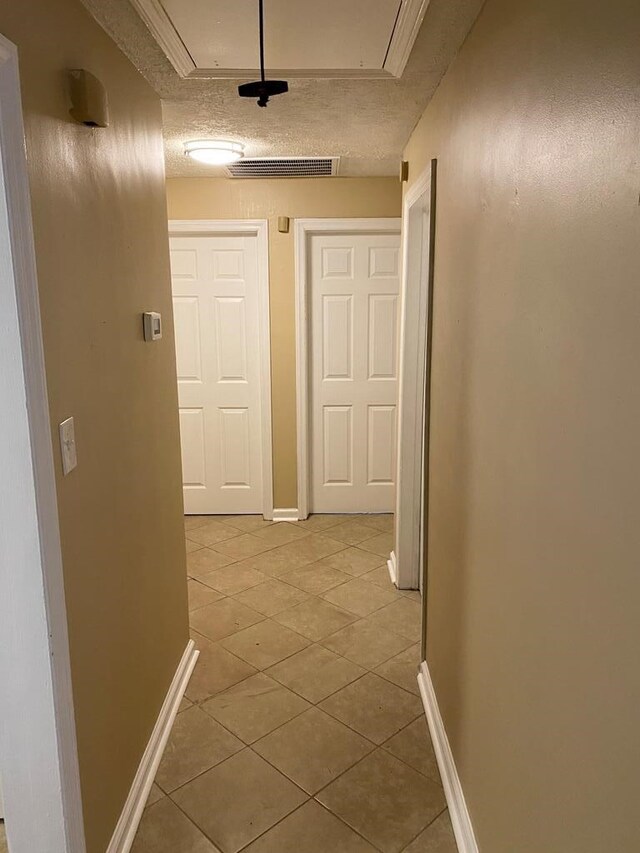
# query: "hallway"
[[302, 728]]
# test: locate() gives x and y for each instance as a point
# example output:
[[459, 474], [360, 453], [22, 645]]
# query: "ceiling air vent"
[[285, 167]]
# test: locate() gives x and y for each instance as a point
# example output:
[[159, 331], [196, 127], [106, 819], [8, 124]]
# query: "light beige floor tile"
[[403, 617], [359, 597], [216, 670], [265, 644], [411, 594], [201, 595], [232, 579], [243, 546], [255, 707], [353, 561], [310, 829], [238, 800], [403, 669], [365, 643], [190, 546], [246, 523], [438, 837], [315, 578], [223, 618], [281, 533], [155, 794], [382, 544], [278, 561], [193, 521], [315, 673], [313, 547], [211, 533], [350, 532], [384, 800], [272, 597], [197, 742], [380, 577], [317, 523], [315, 618], [373, 707], [382, 523], [184, 704], [413, 746], [164, 829], [205, 560], [312, 749]]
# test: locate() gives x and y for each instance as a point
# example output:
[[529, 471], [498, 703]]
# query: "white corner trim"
[[290, 514], [393, 569], [404, 35], [127, 825], [303, 230], [161, 28], [460, 819], [414, 302]]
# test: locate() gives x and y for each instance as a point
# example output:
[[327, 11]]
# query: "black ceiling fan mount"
[[262, 89]]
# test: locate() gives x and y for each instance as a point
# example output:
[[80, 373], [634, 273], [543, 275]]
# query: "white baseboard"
[[393, 570], [127, 825], [290, 514], [460, 820]]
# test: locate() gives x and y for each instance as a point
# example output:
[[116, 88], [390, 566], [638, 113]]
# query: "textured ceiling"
[[365, 122]]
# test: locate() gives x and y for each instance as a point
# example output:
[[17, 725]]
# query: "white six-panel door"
[[353, 371], [216, 314]]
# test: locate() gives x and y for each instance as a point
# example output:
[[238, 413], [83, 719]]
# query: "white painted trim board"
[[286, 514], [259, 228], [303, 230], [127, 825], [458, 811]]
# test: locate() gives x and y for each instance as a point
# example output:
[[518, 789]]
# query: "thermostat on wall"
[[152, 322]]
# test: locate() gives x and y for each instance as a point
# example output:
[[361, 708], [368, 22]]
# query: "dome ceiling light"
[[262, 89], [214, 152]]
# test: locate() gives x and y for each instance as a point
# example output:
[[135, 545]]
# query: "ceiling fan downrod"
[[262, 89]]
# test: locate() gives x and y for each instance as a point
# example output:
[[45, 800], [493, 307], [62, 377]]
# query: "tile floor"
[[302, 729]]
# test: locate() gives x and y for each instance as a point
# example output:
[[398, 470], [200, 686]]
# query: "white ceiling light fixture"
[[214, 152]]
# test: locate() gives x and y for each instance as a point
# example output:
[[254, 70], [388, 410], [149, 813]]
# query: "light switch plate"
[[68, 446], [152, 325]]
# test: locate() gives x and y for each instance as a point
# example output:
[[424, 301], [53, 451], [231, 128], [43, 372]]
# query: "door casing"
[[406, 560], [38, 745]]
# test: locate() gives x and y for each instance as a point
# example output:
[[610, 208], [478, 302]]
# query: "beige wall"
[[101, 243], [534, 587], [219, 198]]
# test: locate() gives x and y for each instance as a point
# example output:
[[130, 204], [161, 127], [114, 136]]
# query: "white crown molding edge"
[[159, 24], [127, 825], [460, 819], [406, 31]]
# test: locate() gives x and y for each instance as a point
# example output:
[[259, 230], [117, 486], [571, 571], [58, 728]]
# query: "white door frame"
[[38, 748], [405, 562], [304, 229], [260, 229]]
